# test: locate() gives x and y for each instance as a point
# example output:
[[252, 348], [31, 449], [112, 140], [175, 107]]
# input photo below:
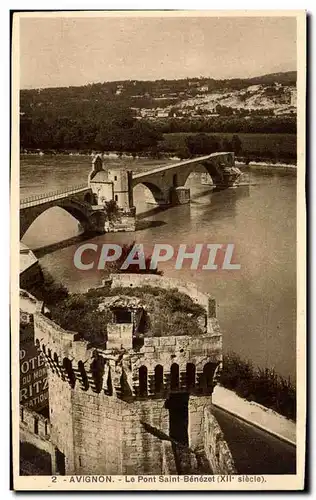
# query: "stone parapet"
[[215, 447], [161, 365]]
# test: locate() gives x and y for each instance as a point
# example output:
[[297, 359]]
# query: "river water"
[[256, 305]]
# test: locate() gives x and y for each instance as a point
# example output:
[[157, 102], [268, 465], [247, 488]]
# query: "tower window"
[[116, 197], [122, 316]]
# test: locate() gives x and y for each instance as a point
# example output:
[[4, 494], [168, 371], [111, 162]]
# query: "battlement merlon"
[[58, 344]]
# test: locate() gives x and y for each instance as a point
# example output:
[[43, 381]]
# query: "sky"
[[69, 51]]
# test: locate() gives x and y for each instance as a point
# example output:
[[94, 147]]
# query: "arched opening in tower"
[[208, 374], [143, 381], [174, 377], [190, 373], [158, 379]]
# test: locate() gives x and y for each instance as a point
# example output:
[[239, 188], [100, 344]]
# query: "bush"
[[263, 386], [168, 312], [49, 291], [79, 313]]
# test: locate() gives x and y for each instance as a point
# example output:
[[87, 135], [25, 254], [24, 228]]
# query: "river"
[[256, 306]]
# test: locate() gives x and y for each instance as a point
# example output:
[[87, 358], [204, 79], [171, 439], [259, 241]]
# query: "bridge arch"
[[209, 168], [156, 191], [79, 211]]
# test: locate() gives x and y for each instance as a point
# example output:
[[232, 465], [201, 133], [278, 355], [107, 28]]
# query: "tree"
[[236, 144], [183, 152], [226, 145], [202, 143], [112, 210]]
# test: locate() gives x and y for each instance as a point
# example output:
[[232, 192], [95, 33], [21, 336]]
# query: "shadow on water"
[[219, 199], [151, 212], [42, 251], [149, 224], [223, 202]]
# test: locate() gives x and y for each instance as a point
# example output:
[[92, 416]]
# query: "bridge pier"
[[222, 170], [180, 195], [170, 197]]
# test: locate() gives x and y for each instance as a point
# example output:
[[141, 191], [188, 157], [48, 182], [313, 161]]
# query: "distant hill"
[[132, 115], [284, 78], [136, 94], [287, 78]]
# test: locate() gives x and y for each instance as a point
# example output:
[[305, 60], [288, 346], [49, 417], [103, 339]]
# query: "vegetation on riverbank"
[[247, 146], [264, 386], [270, 148]]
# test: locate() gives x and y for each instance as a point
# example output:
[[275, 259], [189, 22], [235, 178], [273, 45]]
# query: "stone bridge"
[[86, 202], [166, 181], [75, 200]]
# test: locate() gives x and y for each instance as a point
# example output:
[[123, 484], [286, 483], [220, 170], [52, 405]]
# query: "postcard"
[[158, 252]]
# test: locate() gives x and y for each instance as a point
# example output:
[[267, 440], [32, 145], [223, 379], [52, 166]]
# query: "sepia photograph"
[[158, 250]]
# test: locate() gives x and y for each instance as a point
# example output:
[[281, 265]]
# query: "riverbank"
[[255, 414], [265, 166], [241, 163]]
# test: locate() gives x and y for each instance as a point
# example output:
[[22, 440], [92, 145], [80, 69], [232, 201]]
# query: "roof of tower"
[[100, 176]]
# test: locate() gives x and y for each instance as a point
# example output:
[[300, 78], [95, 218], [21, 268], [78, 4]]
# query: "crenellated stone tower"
[[137, 403]]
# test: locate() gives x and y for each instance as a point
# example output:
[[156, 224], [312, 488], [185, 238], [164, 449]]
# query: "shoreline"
[[264, 164], [114, 155]]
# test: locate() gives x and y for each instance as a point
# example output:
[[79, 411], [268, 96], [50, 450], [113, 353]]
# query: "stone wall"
[[168, 460], [99, 434], [61, 417], [181, 349], [35, 430], [197, 406], [215, 446]]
